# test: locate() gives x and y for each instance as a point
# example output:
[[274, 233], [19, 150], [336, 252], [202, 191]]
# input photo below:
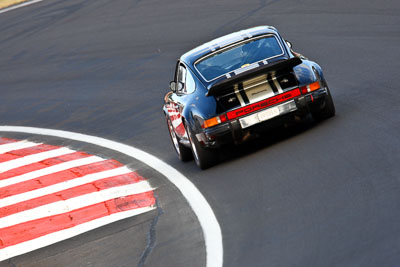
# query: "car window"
[[181, 74], [181, 77], [242, 54], [186, 77], [190, 85]]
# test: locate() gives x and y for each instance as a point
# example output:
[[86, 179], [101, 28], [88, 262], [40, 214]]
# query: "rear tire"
[[184, 153], [204, 157], [327, 111]]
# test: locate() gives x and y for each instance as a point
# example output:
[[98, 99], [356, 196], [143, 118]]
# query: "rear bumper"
[[236, 132]]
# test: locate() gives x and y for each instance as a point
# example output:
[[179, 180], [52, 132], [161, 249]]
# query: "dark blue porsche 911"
[[235, 86]]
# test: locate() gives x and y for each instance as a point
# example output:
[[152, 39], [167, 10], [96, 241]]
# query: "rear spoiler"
[[224, 84]]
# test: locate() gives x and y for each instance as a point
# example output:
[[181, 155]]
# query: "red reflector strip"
[[304, 90], [222, 118], [263, 104]]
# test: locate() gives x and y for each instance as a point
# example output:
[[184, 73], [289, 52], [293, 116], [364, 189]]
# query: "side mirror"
[[289, 44], [175, 86]]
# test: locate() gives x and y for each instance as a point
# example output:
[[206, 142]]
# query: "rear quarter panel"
[[199, 107], [308, 72]]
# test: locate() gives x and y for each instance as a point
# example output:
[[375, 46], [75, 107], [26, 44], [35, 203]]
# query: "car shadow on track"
[[267, 139]]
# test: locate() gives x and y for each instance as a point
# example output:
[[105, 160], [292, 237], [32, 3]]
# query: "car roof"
[[191, 56]]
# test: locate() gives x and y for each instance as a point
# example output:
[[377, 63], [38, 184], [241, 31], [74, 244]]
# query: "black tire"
[[327, 111], [184, 153], [204, 157]]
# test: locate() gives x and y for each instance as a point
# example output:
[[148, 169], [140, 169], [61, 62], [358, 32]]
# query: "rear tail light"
[[309, 88], [214, 121]]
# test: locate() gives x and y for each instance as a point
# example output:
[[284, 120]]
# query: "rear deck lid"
[[255, 84]]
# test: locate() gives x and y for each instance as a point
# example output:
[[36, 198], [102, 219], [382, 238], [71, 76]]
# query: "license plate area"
[[267, 114]]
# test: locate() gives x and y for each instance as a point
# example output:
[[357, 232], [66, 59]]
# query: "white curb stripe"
[[75, 203], [55, 237], [49, 170], [16, 145], [208, 221], [16, 163], [63, 186]]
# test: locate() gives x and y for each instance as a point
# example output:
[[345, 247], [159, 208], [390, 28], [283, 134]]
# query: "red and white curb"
[[209, 224], [50, 193]]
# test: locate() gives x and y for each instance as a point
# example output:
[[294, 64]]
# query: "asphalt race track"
[[324, 194]]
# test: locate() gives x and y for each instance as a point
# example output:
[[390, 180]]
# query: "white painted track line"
[[208, 221], [75, 203], [52, 238]]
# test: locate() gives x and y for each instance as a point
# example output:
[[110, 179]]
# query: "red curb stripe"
[[43, 164], [4, 140], [98, 185], [58, 177], [24, 230], [30, 230], [15, 154]]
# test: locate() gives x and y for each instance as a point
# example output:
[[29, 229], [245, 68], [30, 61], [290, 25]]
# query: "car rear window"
[[234, 57]]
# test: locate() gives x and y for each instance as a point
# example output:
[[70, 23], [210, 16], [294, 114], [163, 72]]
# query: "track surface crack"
[[151, 237]]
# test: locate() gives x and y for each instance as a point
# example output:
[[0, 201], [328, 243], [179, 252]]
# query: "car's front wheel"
[[183, 152], [204, 157]]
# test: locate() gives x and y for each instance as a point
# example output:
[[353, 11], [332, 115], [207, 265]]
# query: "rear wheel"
[[183, 152], [204, 157], [327, 111]]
